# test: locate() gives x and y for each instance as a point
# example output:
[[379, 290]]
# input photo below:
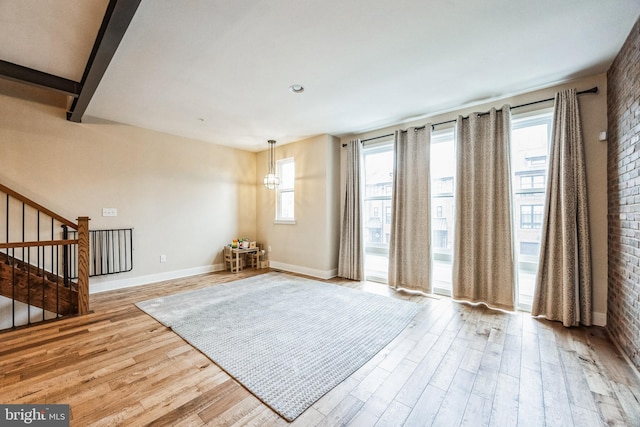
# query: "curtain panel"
[[563, 288], [410, 235], [483, 266], [351, 255]]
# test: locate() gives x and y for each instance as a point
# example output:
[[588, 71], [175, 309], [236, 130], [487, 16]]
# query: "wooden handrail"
[[38, 243], [38, 207]]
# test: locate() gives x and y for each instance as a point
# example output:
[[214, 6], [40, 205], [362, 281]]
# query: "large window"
[[286, 170], [443, 166], [530, 137], [378, 175]]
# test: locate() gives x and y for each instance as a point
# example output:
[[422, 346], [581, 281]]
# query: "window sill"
[[285, 221]]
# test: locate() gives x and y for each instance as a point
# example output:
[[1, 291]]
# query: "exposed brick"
[[623, 178]]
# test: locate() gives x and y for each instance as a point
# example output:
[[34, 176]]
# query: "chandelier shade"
[[271, 180]]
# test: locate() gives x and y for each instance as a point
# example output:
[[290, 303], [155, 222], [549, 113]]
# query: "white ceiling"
[[219, 70]]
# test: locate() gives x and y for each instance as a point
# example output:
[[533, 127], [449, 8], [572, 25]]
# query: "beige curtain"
[[410, 236], [483, 249], [351, 257], [563, 284]]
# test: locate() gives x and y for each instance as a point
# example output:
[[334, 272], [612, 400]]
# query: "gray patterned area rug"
[[288, 340]]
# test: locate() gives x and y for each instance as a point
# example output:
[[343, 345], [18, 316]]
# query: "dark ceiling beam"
[[11, 71], [116, 20]]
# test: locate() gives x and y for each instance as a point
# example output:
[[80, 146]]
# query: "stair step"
[[27, 285]]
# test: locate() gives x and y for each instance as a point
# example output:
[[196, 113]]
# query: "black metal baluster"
[[13, 287], [103, 254], [65, 257], [28, 285], [41, 267], [57, 276], [7, 224], [107, 241], [44, 283], [94, 255], [130, 249], [114, 250], [121, 250], [52, 238]]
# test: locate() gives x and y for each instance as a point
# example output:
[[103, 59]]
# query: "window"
[[537, 160], [378, 176], [532, 182], [531, 216], [286, 170], [530, 136], [529, 248], [443, 161]]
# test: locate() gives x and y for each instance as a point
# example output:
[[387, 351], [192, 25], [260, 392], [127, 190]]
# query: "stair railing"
[[35, 248]]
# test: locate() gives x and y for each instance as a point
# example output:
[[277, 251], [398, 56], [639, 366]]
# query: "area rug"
[[287, 339]]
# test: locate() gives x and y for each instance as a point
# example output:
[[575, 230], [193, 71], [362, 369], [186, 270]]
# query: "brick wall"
[[623, 173]]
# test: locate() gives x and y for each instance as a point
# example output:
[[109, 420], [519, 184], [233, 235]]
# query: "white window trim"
[[285, 221]]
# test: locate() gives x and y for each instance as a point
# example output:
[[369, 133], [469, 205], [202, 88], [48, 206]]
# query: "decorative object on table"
[[287, 339], [271, 181]]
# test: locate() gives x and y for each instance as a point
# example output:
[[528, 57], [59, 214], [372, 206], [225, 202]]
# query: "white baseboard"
[[320, 274], [110, 285], [599, 319]]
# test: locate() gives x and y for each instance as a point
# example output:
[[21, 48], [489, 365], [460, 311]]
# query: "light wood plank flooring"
[[455, 365]]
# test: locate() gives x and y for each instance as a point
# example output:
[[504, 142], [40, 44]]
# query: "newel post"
[[83, 265]]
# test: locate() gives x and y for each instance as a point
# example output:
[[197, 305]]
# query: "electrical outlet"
[[109, 212], [269, 248], [163, 258]]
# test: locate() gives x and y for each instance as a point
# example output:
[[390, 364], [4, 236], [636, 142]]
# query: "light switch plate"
[[109, 212]]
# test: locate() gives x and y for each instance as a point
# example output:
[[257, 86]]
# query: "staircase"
[[35, 266], [36, 287]]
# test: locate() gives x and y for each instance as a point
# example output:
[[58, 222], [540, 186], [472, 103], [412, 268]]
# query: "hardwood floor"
[[455, 365]]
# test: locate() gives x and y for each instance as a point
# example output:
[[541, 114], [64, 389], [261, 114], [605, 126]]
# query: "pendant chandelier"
[[271, 181]]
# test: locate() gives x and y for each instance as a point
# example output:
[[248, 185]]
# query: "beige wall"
[[184, 198], [593, 110], [309, 246]]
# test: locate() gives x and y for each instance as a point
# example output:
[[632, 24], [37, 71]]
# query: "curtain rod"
[[592, 90]]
